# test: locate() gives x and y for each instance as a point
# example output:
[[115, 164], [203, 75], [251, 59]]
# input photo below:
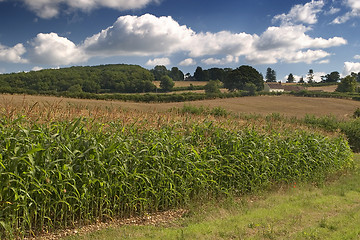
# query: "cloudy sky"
[[288, 36]]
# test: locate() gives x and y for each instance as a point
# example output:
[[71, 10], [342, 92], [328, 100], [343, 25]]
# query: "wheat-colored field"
[[183, 83], [331, 88], [286, 105]]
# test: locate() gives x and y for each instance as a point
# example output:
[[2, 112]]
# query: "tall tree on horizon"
[[310, 76], [290, 78], [270, 75]]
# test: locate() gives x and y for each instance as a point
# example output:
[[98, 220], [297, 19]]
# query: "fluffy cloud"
[[13, 54], [302, 13], [354, 5], [357, 57], [188, 62], [149, 35], [158, 61], [350, 67], [37, 68], [290, 44], [223, 42], [294, 37], [144, 35], [55, 50], [214, 61], [51, 8]]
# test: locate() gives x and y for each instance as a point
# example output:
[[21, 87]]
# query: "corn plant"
[[64, 173]]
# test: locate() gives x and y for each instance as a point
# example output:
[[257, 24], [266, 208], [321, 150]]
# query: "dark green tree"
[[270, 75], [75, 89], [237, 78], [216, 74], [159, 71], [347, 84], [200, 75], [310, 76], [176, 74], [301, 80], [251, 88], [332, 77], [166, 83], [213, 87], [290, 78]]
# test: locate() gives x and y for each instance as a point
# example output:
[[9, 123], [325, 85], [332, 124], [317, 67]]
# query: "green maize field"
[[64, 173]]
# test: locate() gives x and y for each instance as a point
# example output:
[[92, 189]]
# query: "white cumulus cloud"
[[148, 35], [350, 67], [13, 54], [188, 62], [354, 5], [51, 8], [55, 50], [306, 13], [158, 61], [214, 61], [37, 68], [291, 44], [223, 42], [144, 35]]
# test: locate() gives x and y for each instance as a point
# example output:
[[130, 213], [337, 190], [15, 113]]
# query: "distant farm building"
[[278, 87]]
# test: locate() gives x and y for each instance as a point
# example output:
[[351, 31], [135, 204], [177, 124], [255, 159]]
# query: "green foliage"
[[310, 76], [201, 75], [251, 88], [333, 77], [166, 83], [352, 131], [357, 113], [159, 71], [347, 84], [270, 75], [351, 128], [176, 74], [75, 89], [213, 87], [290, 78], [58, 174], [237, 79], [97, 79]]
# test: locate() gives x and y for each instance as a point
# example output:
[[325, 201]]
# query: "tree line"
[[117, 78], [122, 78]]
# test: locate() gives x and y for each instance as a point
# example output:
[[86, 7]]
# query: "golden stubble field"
[[286, 105]]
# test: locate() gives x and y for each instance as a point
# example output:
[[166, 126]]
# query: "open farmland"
[[286, 105], [330, 88], [69, 162], [184, 83]]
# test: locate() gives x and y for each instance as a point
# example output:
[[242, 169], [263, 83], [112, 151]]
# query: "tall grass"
[[59, 174]]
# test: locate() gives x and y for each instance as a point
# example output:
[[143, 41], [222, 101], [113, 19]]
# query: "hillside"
[[119, 78]]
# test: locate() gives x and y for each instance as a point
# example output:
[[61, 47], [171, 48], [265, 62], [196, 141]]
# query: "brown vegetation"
[[286, 105]]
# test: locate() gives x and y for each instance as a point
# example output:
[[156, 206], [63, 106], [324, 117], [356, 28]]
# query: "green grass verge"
[[331, 211]]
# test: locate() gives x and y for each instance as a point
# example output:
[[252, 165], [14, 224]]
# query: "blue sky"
[[288, 36]]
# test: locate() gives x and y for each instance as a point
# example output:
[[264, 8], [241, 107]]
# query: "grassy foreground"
[[297, 211]]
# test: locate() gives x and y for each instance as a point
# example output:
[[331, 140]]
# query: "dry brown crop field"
[[183, 83], [331, 88], [286, 105]]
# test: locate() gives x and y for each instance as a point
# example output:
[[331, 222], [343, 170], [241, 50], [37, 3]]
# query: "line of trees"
[[119, 78]]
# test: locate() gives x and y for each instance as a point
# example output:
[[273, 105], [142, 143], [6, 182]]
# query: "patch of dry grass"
[[183, 83], [264, 105]]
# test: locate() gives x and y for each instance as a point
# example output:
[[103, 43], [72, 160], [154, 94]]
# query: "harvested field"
[[183, 83], [331, 88], [286, 105]]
